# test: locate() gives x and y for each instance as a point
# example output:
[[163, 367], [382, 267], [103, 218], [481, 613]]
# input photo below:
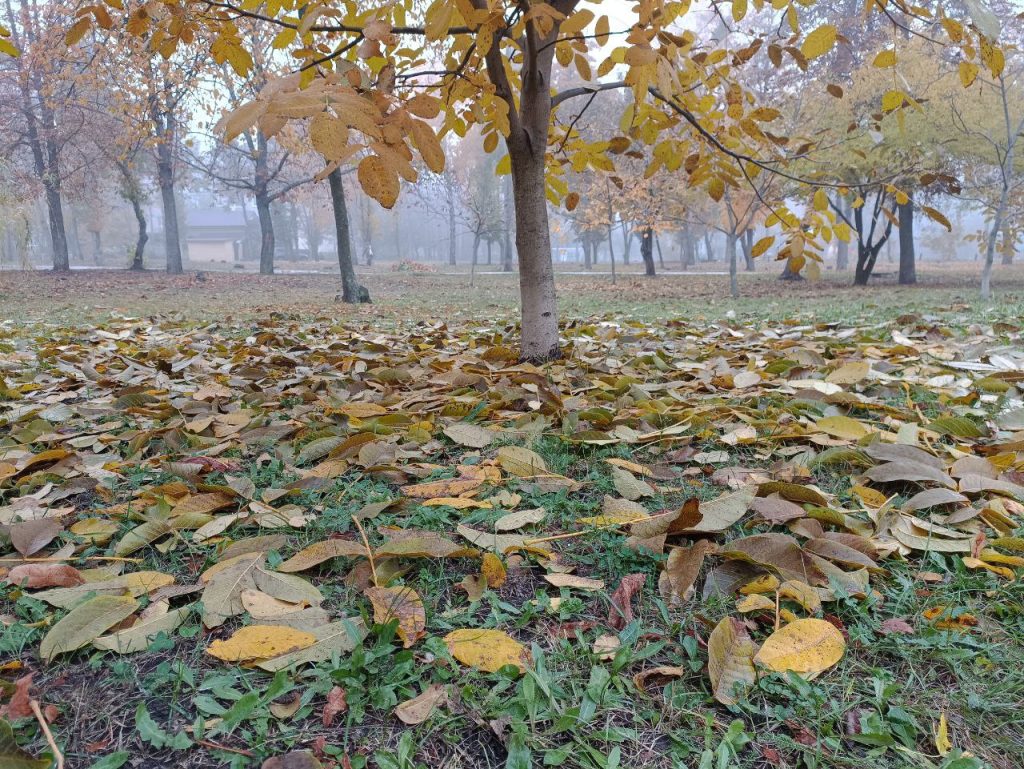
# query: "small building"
[[217, 236]]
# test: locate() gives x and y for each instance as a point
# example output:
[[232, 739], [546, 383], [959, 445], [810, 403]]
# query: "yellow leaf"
[[77, 30], [520, 461], [503, 167], [492, 570], [968, 73], [488, 650], [730, 661], [819, 42], [601, 30], [804, 646], [426, 142], [942, 742], [258, 642], [885, 59], [820, 199], [378, 180], [403, 604], [329, 136], [762, 245], [843, 427], [937, 216], [739, 9]]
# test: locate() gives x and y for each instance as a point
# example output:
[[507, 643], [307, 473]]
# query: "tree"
[[35, 85], [489, 64]]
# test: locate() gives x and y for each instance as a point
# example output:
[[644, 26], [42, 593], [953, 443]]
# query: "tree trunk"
[[172, 241], [843, 246], [351, 290], [58, 235], [450, 193], [908, 272], [533, 245], [476, 252], [866, 258], [588, 264], [707, 247], [627, 242], [46, 161], [138, 257], [647, 251], [266, 233], [97, 246], [132, 192], [1009, 246], [747, 242], [730, 249], [661, 256], [508, 216]]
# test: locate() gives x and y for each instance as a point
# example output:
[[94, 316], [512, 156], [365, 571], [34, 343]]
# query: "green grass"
[[879, 708]]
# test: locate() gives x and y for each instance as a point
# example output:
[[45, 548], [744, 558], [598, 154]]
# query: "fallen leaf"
[[730, 661], [403, 604], [517, 520], [336, 704], [466, 434], [804, 646], [571, 580], [420, 708], [257, 642], [521, 462], [488, 650], [85, 623], [36, 575], [621, 612]]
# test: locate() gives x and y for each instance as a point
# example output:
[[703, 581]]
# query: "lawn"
[[454, 560]]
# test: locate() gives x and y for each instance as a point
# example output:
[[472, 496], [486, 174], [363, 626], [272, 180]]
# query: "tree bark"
[[352, 292], [627, 242], [908, 271], [509, 217], [730, 248], [843, 246], [131, 191], [1009, 246], [747, 242], [647, 251], [266, 233], [533, 245], [165, 179], [450, 194]]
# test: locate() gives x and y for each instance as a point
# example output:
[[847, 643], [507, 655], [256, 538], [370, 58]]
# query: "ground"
[[189, 419]]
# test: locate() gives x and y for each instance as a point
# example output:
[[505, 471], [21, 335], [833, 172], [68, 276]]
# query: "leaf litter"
[[131, 448]]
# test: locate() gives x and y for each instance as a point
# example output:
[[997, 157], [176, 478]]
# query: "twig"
[[55, 559], [572, 534], [58, 757], [369, 551], [215, 746]]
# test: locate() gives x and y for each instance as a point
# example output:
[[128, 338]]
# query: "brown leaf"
[[402, 603], [18, 706], [336, 703], [681, 570], [895, 625], [29, 537], [296, 759], [621, 612], [44, 575], [419, 709]]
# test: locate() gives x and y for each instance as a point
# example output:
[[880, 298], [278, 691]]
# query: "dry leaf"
[[804, 646], [488, 650]]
